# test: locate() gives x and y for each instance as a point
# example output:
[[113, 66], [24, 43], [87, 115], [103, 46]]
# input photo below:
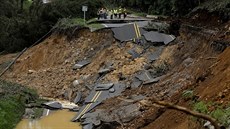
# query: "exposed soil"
[[193, 62]]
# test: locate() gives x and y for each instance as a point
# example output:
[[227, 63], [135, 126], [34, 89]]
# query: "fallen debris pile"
[[102, 74]]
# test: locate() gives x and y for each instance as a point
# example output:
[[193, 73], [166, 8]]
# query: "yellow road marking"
[[138, 31], [89, 105], [135, 30], [97, 96], [86, 108]]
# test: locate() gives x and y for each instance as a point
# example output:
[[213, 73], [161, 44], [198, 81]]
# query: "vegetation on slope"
[[13, 98]]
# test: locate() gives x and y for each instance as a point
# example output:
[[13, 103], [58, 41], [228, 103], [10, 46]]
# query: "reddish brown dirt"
[[196, 66], [47, 67]]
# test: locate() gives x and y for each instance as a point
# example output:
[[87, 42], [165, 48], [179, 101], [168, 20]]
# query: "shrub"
[[13, 98]]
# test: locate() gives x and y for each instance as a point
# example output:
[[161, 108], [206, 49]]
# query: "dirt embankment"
[[47, 67], [194, 61], [197, 64]]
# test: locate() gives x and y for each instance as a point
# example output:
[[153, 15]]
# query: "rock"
[[188, 61], [78, 97], [75, 83], [53, 105], [29, 113], [208, 125], [31, 71]]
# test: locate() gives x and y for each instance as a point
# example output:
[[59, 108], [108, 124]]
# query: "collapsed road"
[[101, 92], [109, 66]]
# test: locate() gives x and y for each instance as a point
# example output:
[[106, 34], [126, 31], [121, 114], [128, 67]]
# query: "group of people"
[[113, 13]]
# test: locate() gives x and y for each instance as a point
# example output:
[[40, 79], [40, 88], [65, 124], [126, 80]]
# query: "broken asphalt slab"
[[124, 114], [81, 64], [53, 105], [133, 53], [104, 86], [155, 55], [144, 76], [96, 97], [85, 109], [127, 32], [88, 126], [136, 83], [157, 37], [78, 97]]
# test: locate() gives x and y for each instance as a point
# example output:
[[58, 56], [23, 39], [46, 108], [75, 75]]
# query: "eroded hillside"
[[197, 61]]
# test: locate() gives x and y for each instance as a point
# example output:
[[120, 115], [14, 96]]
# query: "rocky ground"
[[197, 61]]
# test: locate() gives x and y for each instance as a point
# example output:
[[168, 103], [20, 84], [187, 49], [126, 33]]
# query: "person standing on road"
[[119, 12], [115, 13], [104, 13], [99, 14], [124, 12], [111, 14]]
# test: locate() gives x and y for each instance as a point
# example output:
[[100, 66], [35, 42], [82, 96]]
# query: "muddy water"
[[56, 120]]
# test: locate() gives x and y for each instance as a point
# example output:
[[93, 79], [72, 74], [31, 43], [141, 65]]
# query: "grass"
[[13, 98], [63, 25], [11, 111], [91, 20], [66, 23], [222, 115], [188, 94], [95, 26]]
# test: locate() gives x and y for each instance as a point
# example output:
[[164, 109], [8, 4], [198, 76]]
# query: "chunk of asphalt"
[[91, 119], [78, 97], [144, 76], [75, 109], [52, 105], [85, 109], [96, 97], [128, 113], [133, 53], [126, 32], [154, 80], [105, 70], [81, 64], [157, 37], [136, 83], [89, 98], [155, 55], [88, 126], [119, 88], [104, 86]]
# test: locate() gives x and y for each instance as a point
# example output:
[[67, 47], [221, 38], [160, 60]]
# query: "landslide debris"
[[190, 62], [47, 66]]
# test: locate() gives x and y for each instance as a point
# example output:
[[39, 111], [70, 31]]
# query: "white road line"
[[105, 25]]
